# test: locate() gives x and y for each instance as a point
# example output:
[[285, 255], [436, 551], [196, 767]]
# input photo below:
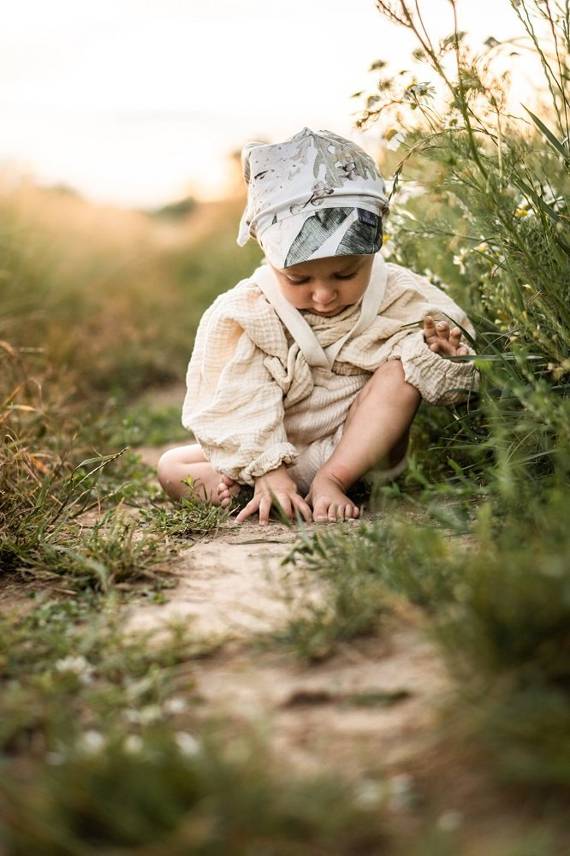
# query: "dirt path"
[[370, 705]]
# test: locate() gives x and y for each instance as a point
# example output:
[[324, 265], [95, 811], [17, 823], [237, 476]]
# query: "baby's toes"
[[335, 512], [224, 495], [320, 510], [227, 487], [228, 482]]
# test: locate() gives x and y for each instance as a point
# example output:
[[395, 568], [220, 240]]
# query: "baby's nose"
[[324, 296]]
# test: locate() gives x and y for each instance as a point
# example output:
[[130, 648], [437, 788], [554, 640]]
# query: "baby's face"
[[326, 286]]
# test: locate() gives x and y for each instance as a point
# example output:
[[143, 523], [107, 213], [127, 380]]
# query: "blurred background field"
[[99, 305]]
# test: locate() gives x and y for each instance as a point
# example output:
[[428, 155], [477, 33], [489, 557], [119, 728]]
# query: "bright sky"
[[137, 102]]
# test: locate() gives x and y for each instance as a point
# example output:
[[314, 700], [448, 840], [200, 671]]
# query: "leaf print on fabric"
[[309, 172], [347, 167], [341, 161], [362, 236], [319, 191], [314, 232]]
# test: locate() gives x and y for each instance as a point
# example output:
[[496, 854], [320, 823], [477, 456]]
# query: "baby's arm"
[[234, 404]]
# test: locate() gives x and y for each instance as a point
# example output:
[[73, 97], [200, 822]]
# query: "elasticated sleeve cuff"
[[439, 380], [269, 459]]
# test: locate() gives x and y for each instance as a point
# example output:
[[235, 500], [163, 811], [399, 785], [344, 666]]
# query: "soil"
[[381, 709]]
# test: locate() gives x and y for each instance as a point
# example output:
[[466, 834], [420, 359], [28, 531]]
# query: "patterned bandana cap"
[[315, 195]]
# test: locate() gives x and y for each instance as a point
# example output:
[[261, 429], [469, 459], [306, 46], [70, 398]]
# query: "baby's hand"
[[275, 486], [442, 340]]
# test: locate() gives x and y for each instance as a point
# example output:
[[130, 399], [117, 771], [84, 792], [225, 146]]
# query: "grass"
[[145, 425], [473, 536], [92, 718], [189, 516]]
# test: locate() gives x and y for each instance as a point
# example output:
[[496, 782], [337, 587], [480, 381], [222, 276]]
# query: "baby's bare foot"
[[210, 486], [329, 501], [227, 489]]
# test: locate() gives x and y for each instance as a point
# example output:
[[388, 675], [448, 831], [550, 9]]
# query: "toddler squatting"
[[307, 375]]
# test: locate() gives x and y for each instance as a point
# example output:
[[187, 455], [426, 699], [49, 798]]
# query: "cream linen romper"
[[314, 455]]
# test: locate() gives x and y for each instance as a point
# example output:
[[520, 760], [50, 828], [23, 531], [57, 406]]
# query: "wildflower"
[[91, 742], [78, 666], [176, 704], [393, 138], [133, 743], [368, 793], [419, 90], [458, 259], [557, 203], [522, 213], [402, 795], [450, 820], [387, 245], [71, 664], [148, 714], [482, 247], [187, 743], [433, 277]]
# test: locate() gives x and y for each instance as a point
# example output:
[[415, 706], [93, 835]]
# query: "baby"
[[307, 375]]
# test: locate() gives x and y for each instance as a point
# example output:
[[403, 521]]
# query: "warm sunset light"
[[139, 102], [285, 428]]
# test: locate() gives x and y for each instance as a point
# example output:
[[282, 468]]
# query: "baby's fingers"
[[301, 505], [249, 509], [264, 510], [429, 328], [455, 337]]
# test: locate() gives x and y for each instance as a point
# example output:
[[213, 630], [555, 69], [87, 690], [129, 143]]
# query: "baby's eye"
[[338, 276]]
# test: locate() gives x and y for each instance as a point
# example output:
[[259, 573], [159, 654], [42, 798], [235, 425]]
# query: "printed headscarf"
[[312, 196]]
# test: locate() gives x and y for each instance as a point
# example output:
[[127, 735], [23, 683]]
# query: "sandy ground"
[[371, 712], [373, 704]]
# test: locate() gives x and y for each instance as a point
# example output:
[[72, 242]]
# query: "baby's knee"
[[390, 376], [168, 466], [163, 469]]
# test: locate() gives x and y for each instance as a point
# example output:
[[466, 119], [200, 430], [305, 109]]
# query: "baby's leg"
[[183, 461], [376, 430]]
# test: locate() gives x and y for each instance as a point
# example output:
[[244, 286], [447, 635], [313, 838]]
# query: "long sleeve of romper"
[[438, 379], [233, 405]]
